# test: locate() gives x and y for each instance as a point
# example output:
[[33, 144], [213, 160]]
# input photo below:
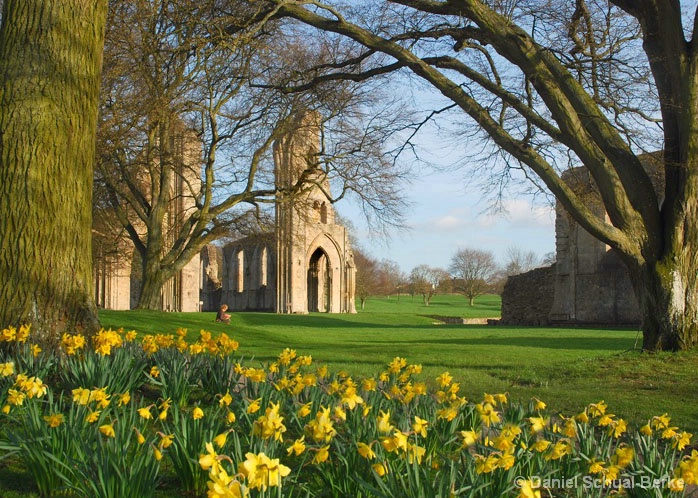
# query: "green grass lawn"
[[567, 368]]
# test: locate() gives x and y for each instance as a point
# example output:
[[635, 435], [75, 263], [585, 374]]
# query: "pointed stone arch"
[[324, 275]]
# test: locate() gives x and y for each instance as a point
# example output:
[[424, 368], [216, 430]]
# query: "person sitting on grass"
[[222, 316]]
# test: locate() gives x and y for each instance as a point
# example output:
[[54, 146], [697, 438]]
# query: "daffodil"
[[222, 485], [380, 468], [254, 406], [166, 440], [537, 424], [398, 441], [270, 424], [369, 384], [660, 422], [419, 426], [123, 399], [681, 440], [676, 485], [444, 379], [596, 466], [107, 430], [469, 438], [225, 400], [397, 365], [7, 369], [54, 420], [145, 413], [485, 465], [220, 439], [488, 415], [322, 455], [415, 453], [623, 456], [209, 460], [687, 469], [597, 409], [15, 397], [298, 446], [366, 451], [351, 399], [560, 449], [92, 417], [262, 472], [230, 417], [541, 445], [304, 410], [506, 461], [618, 427], [527, 489], [538, 405], [321, 430], [197, 413], [384, 424]]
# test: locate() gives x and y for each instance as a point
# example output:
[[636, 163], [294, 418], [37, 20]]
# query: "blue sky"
[[446, 214], [448, 210]]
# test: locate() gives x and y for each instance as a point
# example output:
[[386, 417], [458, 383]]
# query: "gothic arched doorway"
[[319, 282]]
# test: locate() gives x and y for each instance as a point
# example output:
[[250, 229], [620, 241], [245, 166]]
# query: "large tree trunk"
[[151, 289], [668, 306], [50, 63]]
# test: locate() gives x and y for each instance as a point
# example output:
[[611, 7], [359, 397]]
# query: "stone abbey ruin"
[[588, 284], [304, 264]]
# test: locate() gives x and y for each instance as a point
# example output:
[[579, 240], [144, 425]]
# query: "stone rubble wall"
[[527, 298]]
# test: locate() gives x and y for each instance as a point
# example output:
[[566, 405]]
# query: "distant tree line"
[[472, 272]]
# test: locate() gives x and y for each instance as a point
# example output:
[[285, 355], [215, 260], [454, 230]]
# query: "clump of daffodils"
[[388, 430]]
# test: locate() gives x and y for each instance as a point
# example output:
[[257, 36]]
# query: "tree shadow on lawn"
[[544, 341], [538, 342]]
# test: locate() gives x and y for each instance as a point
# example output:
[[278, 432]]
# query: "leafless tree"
[[519, 261], [473, 270], [424, 280], [390, 277], [183, 125], [366, 276]]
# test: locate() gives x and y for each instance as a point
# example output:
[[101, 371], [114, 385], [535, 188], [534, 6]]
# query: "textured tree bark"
[[151, 290], [667, 299], [50, 63]]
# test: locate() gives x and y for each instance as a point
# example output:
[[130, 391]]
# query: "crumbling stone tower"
[[314, 259]]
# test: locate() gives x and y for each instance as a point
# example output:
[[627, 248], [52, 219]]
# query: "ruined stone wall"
[[212, 283], [249, 274], [591, 285], [527, 298]]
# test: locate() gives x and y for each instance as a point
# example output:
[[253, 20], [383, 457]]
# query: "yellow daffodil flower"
[[419, 426], [262, 472], [322, 455], [297, 448], [54, 420], [107, 430], [366, 451]]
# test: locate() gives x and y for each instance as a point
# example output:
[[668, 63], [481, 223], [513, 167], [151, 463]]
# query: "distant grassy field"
[[567, 368]]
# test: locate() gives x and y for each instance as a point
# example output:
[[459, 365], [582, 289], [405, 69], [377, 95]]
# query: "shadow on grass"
[[537, 342], [15, 481]]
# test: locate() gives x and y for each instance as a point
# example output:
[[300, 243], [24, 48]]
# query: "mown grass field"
[[566, 367]]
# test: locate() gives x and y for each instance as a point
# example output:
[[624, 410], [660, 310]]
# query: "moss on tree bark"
[[50, 63]]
